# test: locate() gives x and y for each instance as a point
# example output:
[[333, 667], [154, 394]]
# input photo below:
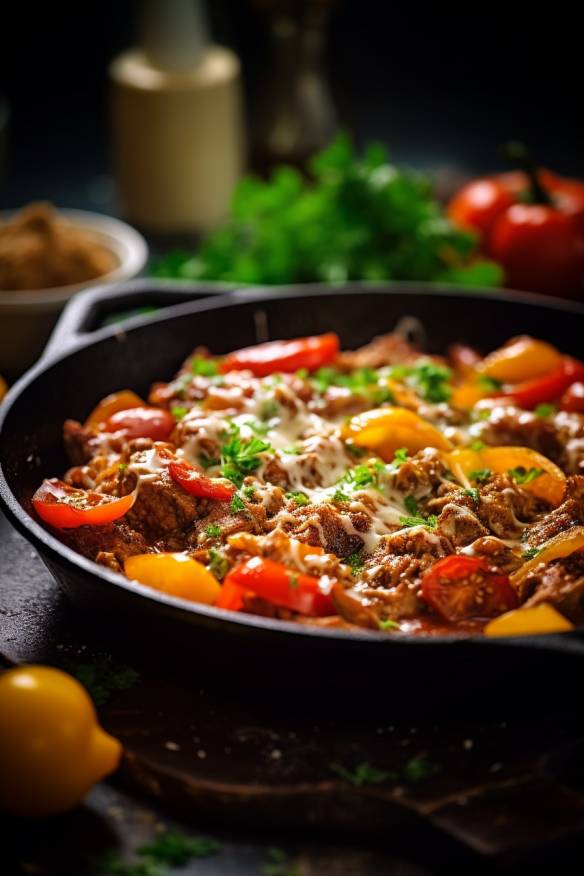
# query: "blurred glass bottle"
[[294, 115], [178, 137]]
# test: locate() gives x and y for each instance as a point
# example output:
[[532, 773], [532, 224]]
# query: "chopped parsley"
[[204, 367], [531, 553], [490, 384], [411, 505], [279, 865], [363, 774], [361, 381], [298, 497], [388, 624], [477, 446], [179, 411], [237, 504], [522, 475], [362, 476], [544, 410], [474, 494], [480, 475], [102, 677], [122, 467], [240, 457], [249, 491], [419, 768], [354, 450], [431, 521], [339, 496], [213, 531], [218, 564], [400, 455], [269, 409], [429, 380], [295, 450], [167, 851], [355, 561], [208, 461]]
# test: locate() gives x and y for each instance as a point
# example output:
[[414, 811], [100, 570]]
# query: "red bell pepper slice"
[[197, 484], [286, 356], [548, 388], [277, 584], [459, 587], [66, 507]]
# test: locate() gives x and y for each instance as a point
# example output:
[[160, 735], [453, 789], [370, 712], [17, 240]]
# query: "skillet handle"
[[88, 312]]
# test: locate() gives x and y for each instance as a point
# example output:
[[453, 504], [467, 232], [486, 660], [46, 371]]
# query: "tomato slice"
[[287, 356], [197, 484], [111, 404], [278, 584], [547, 388], [142, 422], [573, 398], [459, 587], [66, 507]]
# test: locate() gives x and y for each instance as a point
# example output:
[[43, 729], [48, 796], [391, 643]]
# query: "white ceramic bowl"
[[27, 316]]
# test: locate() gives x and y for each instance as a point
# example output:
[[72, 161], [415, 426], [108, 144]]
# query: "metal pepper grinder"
[[177, 122]]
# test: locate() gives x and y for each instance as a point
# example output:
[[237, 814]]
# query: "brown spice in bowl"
[[40, 250]]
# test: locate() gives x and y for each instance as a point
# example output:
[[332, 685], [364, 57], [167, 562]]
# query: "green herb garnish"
[[279, 865], [298, 497], [388, 624], [204, 367], [167, 851], [411, 505], [522, 475], [237, 504], [249, 491], [356, 562], [400, 455], [489, 384], [368, 220], [480, 475], [419, 768], [477, 446], [339, 496], [431, 521], [544, 410], [240, 457], [102, 677], [213, 531], [531, 553], [363, 774], [218, 564], [474, 494], [293, 580], [179, 411], [269, 409], [122, 467]]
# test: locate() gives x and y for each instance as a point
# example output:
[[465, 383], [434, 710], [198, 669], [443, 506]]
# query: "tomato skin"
[[479, 203], [142, 422], [277, 584], [66, 507], [459, 587], [286, 356], [197, 484], [548, 388], [540, 248], [573, 398]]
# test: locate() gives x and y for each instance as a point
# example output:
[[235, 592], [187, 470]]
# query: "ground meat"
[[383, 350], [110, 544], [570, 513], [162, 507], [496, 552], [421, 474], [459, 525], [324, 526], [405, 553], [560, 583], [510, 425], [340, 401], [505, 508]]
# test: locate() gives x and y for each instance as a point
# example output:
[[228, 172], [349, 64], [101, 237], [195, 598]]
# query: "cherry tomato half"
[[458, 587], [66, 507], [573, 398], [197, 484], [286, 356], [155, 423]]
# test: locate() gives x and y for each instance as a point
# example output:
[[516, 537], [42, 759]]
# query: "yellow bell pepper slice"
[[550, 485], [562, 545], [521, 359], [175, 574], [385, 430], [467, 394], [529, 622]]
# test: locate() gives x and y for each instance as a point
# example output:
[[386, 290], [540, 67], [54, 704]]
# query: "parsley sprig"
[[429, 380], [522, 475], [240, 457], [167, 851]]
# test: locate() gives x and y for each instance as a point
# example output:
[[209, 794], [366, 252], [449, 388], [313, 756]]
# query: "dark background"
[[442, 87]]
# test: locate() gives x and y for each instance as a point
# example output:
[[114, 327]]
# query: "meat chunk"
[[384, 350], [496, 552], [162, 507], [510, 425], [570, 513], [110, 544], [505, 508], [324, 525], [560, 583], [421, 474], [459, 524]]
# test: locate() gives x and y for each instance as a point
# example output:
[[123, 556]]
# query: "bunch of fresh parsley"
[[357, 218]]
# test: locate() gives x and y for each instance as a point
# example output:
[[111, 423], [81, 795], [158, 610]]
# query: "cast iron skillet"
[[82, 364]]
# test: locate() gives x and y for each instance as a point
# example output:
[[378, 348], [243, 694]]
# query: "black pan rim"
[[49, 544]]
